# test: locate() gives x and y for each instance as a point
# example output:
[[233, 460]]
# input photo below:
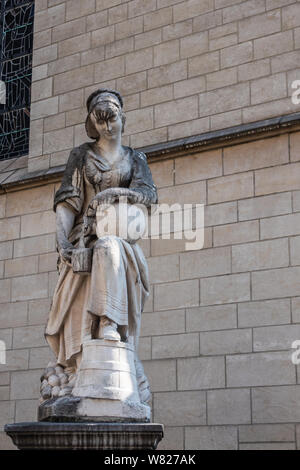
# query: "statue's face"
[[107, 121]]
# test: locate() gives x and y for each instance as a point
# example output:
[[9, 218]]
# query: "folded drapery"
[[116, 288]]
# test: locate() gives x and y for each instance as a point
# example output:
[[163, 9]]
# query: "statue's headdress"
[[104, 96]]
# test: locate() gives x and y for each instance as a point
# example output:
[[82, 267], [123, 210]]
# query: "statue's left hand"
[[108, 196]]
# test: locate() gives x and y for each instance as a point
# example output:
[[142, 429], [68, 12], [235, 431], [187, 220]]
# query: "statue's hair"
[[99, 92]]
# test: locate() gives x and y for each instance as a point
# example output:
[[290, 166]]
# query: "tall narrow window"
[[16, 29]]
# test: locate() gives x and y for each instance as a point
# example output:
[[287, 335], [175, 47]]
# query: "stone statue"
[[95, 317]]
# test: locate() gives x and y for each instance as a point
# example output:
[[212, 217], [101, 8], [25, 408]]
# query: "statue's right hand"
[[66, 255], [66, 251]]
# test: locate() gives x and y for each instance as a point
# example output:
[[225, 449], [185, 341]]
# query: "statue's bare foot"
[[108, 330]]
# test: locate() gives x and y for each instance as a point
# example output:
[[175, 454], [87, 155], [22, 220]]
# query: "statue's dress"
[[118, 285]]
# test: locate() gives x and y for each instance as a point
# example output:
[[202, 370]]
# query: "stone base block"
[[77, 409], [85, 436]]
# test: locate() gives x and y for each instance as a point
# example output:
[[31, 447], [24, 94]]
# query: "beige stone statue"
[[94, 322]]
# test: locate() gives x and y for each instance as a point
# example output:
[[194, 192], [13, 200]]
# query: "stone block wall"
[[184, 67], [218, 327], [219, 323]]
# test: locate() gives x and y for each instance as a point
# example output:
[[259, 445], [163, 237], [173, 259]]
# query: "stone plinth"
[[106, 388], [107, 371], [85, 436], [107, 383]]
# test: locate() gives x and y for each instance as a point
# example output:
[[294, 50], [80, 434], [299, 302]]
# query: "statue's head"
[[104, 105]]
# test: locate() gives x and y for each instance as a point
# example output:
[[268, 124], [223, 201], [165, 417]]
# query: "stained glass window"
[[16, 39]]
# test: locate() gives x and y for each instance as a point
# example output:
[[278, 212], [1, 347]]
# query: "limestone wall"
[[184, 67], [218, 327]]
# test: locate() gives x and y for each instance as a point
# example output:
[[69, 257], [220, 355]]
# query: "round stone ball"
[[55, 391], [54, 381]]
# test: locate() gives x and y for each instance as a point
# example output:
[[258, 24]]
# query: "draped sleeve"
[[71, 191], [142, 181]]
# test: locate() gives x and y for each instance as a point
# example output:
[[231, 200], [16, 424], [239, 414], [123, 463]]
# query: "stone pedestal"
[[107, 383], [85, 436], [107, 371], [104, 411], [105, 390]]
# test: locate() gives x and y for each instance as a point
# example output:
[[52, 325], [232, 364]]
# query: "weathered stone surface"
[[157, 63], [279, 179], [276, 404], [272, 368], [211, 373], [180, 345], [168, 322], [30, 287], [25, 384], [274, 338], [164, 269], [6, 336], [161, 375], [197, 167], [180, 408], [260, 255], [265, 206], [211, 438], [218, 317], [26, 410], [13, 314], [269, 446], [191, 193], [176, 295], [10, 229], [262, 313], [219, 214], [225, 289], [6, 442], [15, 359], [7, 413], [32, 200], [267, 432], [144, 349], [275, 283], [229, 188], [85, 436], [234, 96], [205, 263], [173, 438], [28, 336], [34, 245], [281, 226], [162, 173], [38, 311], [229, 406], [258, 154], [226, 342]]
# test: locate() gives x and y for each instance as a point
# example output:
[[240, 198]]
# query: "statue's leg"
[[108, 330], [108, 290]]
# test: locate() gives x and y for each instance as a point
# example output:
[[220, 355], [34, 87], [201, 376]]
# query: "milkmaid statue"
[[94, 322]]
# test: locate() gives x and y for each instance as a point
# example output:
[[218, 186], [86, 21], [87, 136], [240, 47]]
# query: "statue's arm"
[[65, 218], [142, 183]]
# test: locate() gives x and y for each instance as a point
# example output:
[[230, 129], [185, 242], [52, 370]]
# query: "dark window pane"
[[17, 34], [14, 3], [16, 74], [14, 133], [16, 29]]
